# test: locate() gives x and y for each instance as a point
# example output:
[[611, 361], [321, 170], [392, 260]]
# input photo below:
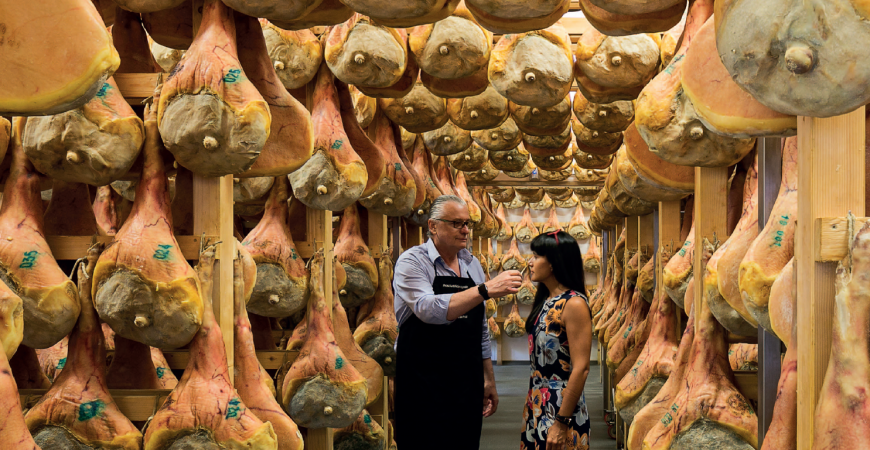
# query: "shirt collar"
[[464, 255]]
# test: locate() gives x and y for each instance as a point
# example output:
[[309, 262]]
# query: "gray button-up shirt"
[[412, 284]]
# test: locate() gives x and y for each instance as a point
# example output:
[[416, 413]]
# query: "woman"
[[560, 340]]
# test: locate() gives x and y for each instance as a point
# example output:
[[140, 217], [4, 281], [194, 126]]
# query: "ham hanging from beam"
[[204, 411], [51, 76], [358, 139], [377, 328], [28, 268], [13, 431], [251, 380], [397, 190], [335, 176], [143, 286], [355, 256], [78, 409], [210, 115], [367, 367], [291, 136], [363, 52], [281, 287]]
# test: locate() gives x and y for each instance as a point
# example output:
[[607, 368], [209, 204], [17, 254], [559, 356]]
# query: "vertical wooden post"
[[646, 234], [213, 206], [830, 183], [378, 234], [711, 198], [769, 354], [320, 234], [632, 233]]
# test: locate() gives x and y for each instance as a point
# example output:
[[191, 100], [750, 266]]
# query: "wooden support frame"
[[831, 162]]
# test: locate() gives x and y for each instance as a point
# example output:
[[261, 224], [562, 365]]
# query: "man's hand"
[[506, 283], [490, 399]]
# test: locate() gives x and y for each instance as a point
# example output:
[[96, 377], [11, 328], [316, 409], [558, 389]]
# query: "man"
[[444, 363]]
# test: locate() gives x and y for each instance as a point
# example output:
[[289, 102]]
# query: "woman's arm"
[[578, 324]]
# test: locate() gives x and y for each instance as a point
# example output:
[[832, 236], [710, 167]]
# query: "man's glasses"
[[458, 224]]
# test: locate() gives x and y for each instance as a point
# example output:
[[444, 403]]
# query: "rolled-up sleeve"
[[413, 286]]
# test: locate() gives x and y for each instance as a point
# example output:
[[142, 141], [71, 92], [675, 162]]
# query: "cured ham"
[[418, 112], [493, 328], [291, 137], [469, 160], [204, 410], [397, 191], [281, 288], [27, 266], [273, 9], [623, 341], [806, 72], [451, 48], [320, 388], [210, 115], [533, 68], [363, 433], [707, 407], [743, 356], [607, 117], [505, 137], [484, 175], [720, 104], [654, 410], [295, 55], [27, 371], [552, 223], [137, 366], [677, 272], [69, 212], [613, 24], [145, 6], [594, 142], [526, 293], [421, 162], [667, 120], [646, 280], [516, 16], [362, 52], [656, 361], [506, 232], [40, 43], [478, 112], [359, 140], [634, 6], [171, 27], [95, 144], [443, 179], [526, 230], [513, 260], [649, 177], [542, 121], [447, 140], [612, 68], [577, 226], [13, 430], [592, 257], [78, 409], [326, 12], [514, 325], [461, 190], [624, 200], [461, 87], [783, 303], [377, 328], [143, 287], [367, 367], [782, 432], [354, 255], [721, 277], [335, 176], [774, 246]]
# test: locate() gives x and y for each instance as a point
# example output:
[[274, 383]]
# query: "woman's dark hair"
[[563, 253]]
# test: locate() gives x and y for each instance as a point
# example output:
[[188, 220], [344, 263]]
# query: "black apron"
[[439, 378]]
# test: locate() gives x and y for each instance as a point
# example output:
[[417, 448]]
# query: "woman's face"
[[539, 268]]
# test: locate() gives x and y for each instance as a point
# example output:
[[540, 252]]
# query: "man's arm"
[[490, 395], [413, 286]]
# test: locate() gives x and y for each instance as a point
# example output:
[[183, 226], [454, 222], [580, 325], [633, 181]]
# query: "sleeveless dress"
[[551, 368]]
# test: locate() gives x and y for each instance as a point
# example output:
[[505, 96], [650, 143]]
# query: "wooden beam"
[[378, 239], [136, 87], [711, 218], [831, 237], [830, 184], [646, 234]]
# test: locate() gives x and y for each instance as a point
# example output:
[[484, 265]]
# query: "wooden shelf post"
[[831, 182]]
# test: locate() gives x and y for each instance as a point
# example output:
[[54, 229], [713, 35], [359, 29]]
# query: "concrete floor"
[[502, 430]]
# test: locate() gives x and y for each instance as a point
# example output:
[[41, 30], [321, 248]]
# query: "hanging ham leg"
[[321, 389], [26, 370], [281, 288], [678, 271], [133, 368], [143, 287], [105, 211], [782, 433], [774, 246], [70, 211], [27, 267], [78, 410], [363, 434], [650, 415], [378, 329], [708, 411], [842, 412], [363, 363], [656, 361], [623, 340], [211, 116], [252, 383], [204, 411], [13, 431], [355, 257]]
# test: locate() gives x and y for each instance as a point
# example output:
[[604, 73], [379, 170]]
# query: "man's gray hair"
[[436, 211]]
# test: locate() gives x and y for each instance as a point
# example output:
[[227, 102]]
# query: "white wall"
[[517, 349]]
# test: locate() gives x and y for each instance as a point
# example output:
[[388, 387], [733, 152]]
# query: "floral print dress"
[[551, 368]]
